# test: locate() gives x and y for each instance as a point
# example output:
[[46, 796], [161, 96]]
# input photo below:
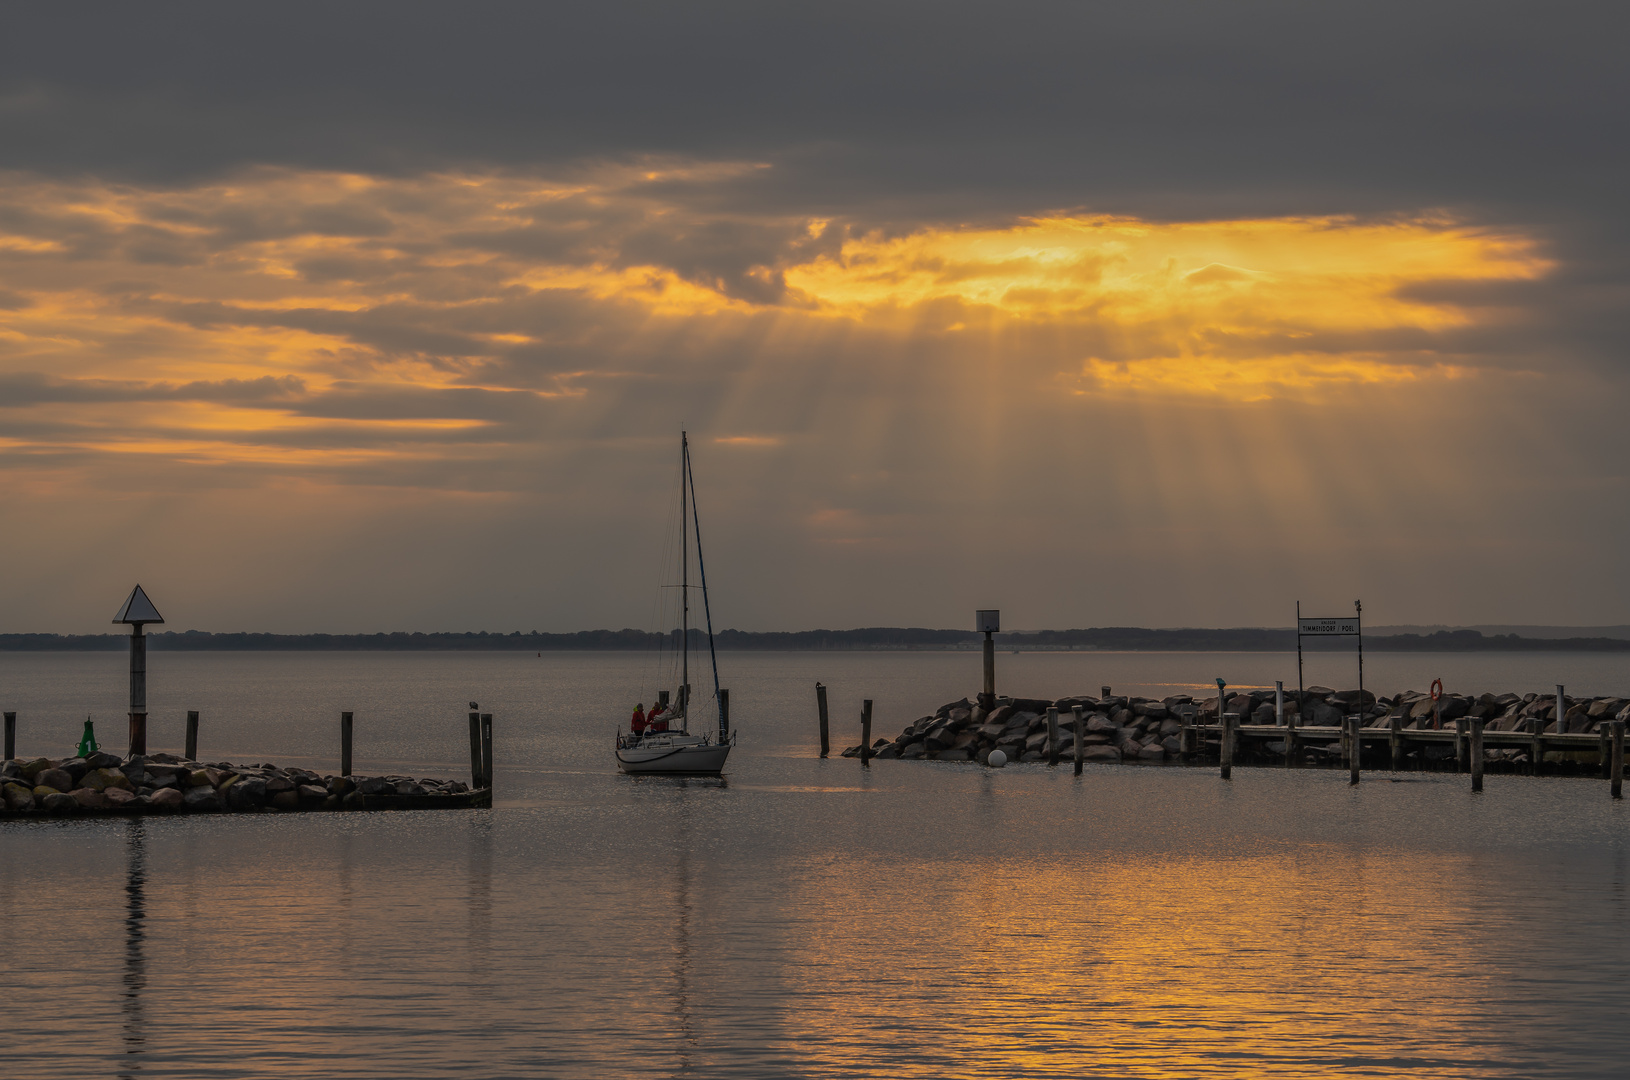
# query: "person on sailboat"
[[659, 719], [638, 723]]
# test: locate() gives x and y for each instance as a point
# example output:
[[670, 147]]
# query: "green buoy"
[[87, 741]]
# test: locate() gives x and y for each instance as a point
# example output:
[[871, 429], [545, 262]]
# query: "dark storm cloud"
[[956, 108]]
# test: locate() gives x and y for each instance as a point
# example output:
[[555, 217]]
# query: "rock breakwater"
[[164, 783], [1148, 730]]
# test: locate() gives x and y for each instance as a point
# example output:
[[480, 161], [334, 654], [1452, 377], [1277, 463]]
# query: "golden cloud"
[[404, 317]]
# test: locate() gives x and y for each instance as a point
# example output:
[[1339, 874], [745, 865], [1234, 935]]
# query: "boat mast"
[[684, 580], [701, 566]]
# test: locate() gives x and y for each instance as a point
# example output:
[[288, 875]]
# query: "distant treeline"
[[1114, 638]]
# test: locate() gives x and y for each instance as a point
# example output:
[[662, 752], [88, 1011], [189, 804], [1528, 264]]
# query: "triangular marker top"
[[138, 609]]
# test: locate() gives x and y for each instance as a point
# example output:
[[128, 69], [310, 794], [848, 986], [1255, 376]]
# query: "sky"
[[378, 317]]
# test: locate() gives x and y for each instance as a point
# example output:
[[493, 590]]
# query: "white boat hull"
[[685, 754]]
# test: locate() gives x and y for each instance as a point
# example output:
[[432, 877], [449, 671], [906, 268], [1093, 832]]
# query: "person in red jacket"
[[659, 719], [639, 719]]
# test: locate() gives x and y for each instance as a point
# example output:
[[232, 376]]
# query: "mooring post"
[[1460, 745], [486, 749], [1227, 748], [1080, 738], [477, 782], [11, 735], [1395, 741], [1356, 748], [192, 734], [1293, 745], [1604, 732], [1052, 736], [1536, 749], [1618, 760], [866, 731], [345, 744], [1477, 754], [1103, 692], [820, 705], [1185, 734], [1279, 702]]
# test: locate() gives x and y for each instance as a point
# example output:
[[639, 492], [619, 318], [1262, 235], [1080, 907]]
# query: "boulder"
[[1170, 727], [1099, 724], [1153, 752], [59, 802], [276, 784], [408, 787], [90, 798], [1154, 710], [42, 790], [1264, 713], [19, 799], [119, 798], [913, 750], [1172, 744], [941, 738], [338, 785], [104, 778], [1322, 714], [103, 760], [290, 800], [167, 798], [34, 767], [1000, 715], [951, 755], [201, 797], [378, 785], [1031, 755], [1101, 753], [75, 767], [249, 793], [964, 739], [55, 779]]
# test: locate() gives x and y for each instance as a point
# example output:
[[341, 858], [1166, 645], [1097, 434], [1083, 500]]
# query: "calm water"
[[803, 917]]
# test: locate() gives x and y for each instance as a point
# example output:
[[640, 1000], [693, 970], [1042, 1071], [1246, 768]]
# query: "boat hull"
[[706, 760]]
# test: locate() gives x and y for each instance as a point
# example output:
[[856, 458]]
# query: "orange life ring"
[[1437, 689]]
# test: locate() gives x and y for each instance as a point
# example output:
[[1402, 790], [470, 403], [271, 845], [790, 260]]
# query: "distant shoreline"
[[873, 639]]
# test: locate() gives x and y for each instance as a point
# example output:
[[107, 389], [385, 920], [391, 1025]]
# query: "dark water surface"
[[802, 917]]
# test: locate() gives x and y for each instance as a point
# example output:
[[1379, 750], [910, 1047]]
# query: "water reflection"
[[135, 973], [682, 933]]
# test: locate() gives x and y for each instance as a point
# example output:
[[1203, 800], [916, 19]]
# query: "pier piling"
[[1355, 745], [1536, 748], [1279, 702], [1052, 736], [1293, 744], [1617, 781], [192, 734], [345, 743], [1080, 738], [1460, 745], [1395, 742], [476, 780], [486, 749], [1605, 735], [11, 735], [1477, 754], [820, 705], [866, 732], [1226, 751]]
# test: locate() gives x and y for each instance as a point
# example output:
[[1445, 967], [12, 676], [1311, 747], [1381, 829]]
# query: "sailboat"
[[678, 750]]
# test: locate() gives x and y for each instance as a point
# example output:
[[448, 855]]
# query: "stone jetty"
[[1150, 730], [163, 783]]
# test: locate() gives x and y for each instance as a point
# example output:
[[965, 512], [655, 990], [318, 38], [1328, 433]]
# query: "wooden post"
[[477, 781], [820, 704], [1356, 749], [1617, 776], [724, 717], [866, 731], [11, 735], [1604, 733], [1293, 744], [1395, 741], [1052, 736], [1103, 692], [345, 744], [1186, 736], [988, 697], [1536, 749], [486, 749], [1460, 745], [1227, 749], [1477, 754], [1279, 702], [138, 690], [192, 735], [1080, 739]]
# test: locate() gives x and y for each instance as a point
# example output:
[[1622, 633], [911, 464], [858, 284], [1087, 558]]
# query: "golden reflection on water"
[[1169, 967]]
